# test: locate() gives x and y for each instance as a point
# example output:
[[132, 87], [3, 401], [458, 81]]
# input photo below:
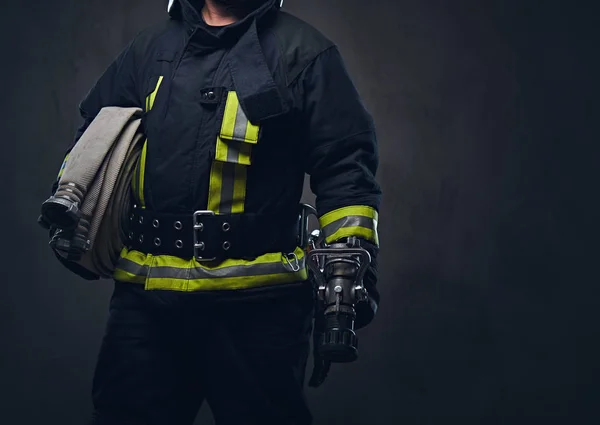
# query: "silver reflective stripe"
[[237, 152], [349, 221], [189, 273], [133, 268], [233, 151], [241, 125], [227, 187]]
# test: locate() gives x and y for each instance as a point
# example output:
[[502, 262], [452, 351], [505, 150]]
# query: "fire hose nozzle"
[[61, 212]]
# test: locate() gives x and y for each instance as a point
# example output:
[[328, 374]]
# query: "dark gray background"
[[486, 121]]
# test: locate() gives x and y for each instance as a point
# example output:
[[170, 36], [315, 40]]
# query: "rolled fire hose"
[[91, 204]]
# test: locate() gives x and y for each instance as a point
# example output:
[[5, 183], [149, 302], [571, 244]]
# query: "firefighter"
[[212, 301]]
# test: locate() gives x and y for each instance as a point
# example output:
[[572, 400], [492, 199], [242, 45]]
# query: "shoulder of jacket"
[[299, 43], [155, 34]]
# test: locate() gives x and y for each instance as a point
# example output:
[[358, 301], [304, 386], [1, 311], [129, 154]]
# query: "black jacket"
[[290, 82]]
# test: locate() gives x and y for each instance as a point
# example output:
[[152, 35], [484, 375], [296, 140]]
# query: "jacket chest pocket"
[[236, 137]]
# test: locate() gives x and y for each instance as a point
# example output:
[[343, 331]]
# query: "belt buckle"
[[198, 228]]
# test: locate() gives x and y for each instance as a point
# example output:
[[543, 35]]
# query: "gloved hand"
[[366, 311]]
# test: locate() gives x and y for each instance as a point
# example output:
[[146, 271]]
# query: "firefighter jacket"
[[234, 118]]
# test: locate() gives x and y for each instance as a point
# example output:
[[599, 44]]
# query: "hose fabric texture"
[[97, 177]]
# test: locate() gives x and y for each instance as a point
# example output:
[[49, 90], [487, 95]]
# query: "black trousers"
[[165, 353]]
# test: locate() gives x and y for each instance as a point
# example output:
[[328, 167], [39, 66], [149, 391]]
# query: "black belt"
[[207, 236]]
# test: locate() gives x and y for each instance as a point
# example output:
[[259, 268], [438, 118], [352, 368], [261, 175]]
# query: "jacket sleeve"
[[117, 86], [342, 160]]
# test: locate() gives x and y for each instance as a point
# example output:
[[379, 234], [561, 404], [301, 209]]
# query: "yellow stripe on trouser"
[[360, 221], [227, 193]]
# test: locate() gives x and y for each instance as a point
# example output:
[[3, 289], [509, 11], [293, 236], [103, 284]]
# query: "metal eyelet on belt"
[[157, 241], [141, 238], [179, 244], [200, 246], [200, 227], [141, 219], [226, 245], [131, 217], [155, 224], [226, 227], [177, 225], [130, 236]]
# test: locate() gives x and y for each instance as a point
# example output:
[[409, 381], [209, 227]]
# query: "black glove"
[[321, 366], [365, 311]]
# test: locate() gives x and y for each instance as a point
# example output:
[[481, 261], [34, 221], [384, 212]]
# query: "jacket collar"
[[259, 95], [190, 13]]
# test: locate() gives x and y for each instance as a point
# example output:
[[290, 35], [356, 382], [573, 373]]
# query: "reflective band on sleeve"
[[359, 221], [152, 96], [62, 167], [172, 273]]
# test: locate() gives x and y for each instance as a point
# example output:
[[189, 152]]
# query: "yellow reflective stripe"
[[359, 221], [215, 186], [359, 210], [124, 276], [142, 172], [251, 133], [137, 184], [236, 125], [221, 151], [232, 151], [62, 167], [152, 96], [239, 189], [173, 273], [225, 284], [227, 187], [228, 176], [231, 109], [359, 232]]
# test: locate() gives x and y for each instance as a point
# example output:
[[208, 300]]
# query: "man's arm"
[[342, 161], [117, 86]]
